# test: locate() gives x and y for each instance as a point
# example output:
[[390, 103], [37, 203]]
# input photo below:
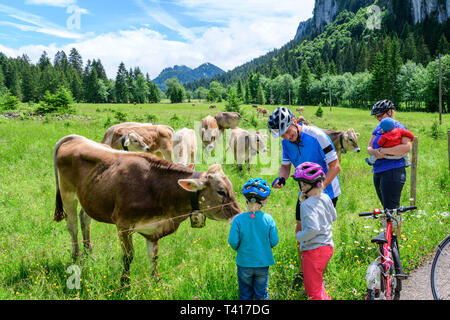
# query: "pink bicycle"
[[384, 273]]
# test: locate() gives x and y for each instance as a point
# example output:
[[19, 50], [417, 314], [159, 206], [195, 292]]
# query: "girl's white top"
[[317, 215]]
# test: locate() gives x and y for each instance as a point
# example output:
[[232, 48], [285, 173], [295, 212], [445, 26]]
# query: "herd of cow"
[[153, 191]]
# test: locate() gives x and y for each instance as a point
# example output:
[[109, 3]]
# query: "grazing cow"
[[254, 106], [344, 140], [136, 191], [156, 139], [262, 111], [213, 106], [300, 110], [227, 120], [184, 147], [301, 119], [209, 132], [245, 145]]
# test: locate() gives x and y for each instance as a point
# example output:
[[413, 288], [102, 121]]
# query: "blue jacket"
[[253, 239]]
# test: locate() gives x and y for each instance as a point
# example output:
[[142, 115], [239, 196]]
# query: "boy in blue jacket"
[[253, 234]]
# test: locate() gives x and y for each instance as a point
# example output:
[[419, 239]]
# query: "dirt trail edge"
[[417, 286]]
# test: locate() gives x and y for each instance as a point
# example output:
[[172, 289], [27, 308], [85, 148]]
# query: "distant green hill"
[[185, 74]]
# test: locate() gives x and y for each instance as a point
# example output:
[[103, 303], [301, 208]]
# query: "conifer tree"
[[260, 98], [121, 84], [305, 80], [76, 61]]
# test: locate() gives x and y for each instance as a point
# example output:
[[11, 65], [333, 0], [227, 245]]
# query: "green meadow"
[[35, 252]]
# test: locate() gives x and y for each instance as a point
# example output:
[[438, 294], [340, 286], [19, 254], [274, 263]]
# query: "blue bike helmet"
[[256, 190]]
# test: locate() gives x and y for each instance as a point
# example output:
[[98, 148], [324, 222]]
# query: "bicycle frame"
[[386, 260]]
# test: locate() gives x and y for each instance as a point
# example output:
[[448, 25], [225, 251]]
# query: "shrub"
[[60, 102], [152, 118], [232, 104], [436, 130], [120, 116], [319, 112], [9, 102]]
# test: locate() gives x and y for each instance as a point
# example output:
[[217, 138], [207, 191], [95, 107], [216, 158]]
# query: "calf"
[[245, 145], [156, 139], [344, 141]]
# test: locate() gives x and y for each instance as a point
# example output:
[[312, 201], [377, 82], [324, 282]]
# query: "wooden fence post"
[[415, 151]]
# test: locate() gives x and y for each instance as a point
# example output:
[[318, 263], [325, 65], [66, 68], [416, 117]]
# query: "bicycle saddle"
[[381, 238]]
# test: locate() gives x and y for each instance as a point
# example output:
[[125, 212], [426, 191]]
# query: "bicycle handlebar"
[[399, 209]]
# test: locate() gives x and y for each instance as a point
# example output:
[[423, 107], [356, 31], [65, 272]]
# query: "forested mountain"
[[185, 74], [338, 34]]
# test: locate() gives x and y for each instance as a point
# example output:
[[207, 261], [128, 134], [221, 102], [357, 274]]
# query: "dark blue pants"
[[253, 282], [389, 185]]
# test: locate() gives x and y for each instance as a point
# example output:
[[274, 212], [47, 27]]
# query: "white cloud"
[[36, 23], [53, 3], [248, 29]]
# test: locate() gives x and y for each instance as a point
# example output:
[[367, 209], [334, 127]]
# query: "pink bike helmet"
[[309, 172]]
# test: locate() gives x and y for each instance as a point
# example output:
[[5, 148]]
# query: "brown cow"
[[213, 106], [209, 132], [300, 110], [301, 119], [136, 191], [156, 139], [227, 120], [245, 145], [262, 111], [344, 141]]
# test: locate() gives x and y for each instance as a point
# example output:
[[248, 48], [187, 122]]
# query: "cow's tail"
[[59, 208]]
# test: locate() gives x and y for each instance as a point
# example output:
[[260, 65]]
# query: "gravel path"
[[417, 286]]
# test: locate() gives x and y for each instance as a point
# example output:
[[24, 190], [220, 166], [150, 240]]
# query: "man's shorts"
[[297, 208]]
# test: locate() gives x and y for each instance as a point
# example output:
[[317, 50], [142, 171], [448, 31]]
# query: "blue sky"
[[151, 34]]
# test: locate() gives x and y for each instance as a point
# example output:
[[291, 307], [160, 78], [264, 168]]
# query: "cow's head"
[[134, 142], [258, 142], [350, 141], [215, 194], [209, 137]]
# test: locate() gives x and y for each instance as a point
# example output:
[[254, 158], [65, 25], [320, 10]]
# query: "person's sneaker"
[[368, 162], [298, 280]]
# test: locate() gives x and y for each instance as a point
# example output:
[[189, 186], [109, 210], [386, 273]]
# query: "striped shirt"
[[314, 146]]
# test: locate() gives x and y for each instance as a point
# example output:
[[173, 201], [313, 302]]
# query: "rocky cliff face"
[[325, 11], [435, 8]]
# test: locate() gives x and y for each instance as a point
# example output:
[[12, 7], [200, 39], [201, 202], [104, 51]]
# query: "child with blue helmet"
[[253, 234]]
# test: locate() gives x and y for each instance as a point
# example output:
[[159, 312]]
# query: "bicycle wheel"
[[379, 291], [440, 274]]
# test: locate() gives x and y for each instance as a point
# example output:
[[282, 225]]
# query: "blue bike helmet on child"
[[256, 190]]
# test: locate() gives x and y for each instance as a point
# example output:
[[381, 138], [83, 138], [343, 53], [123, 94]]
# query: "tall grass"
[[198, 263]]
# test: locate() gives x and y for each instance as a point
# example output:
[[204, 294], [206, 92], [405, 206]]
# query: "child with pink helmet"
[[317, 216]]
